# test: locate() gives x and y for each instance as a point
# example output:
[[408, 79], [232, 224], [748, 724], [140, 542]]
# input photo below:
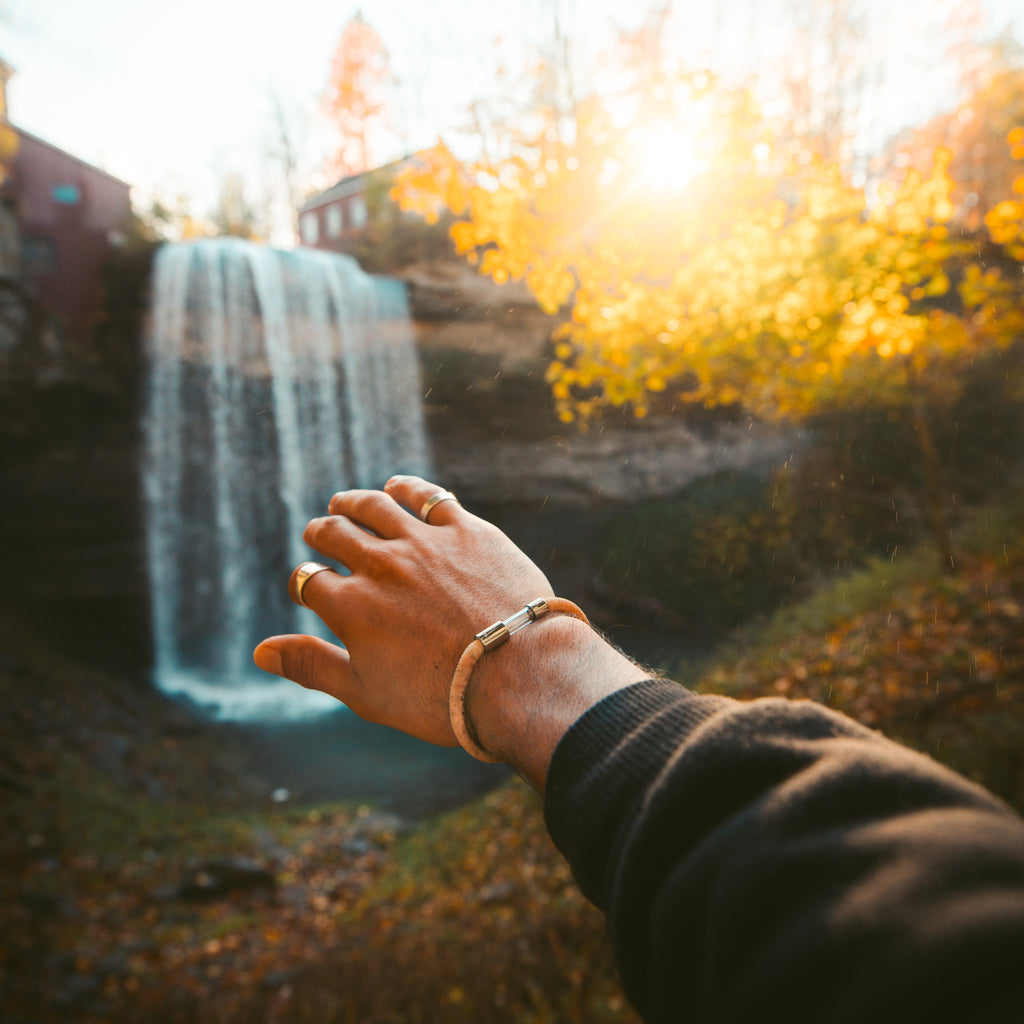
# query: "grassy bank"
[[933, 659]]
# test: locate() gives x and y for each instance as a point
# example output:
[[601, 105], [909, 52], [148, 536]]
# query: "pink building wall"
[[69, 214]]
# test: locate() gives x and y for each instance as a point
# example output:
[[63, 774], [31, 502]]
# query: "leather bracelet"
[[486, 640]]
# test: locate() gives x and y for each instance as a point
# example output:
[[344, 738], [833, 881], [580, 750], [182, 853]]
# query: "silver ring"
[[436, 499], [303, 575]]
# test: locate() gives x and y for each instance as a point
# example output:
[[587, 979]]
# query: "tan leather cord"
[[473, 653]]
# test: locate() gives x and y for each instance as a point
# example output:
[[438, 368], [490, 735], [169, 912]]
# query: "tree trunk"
[[933, 484]]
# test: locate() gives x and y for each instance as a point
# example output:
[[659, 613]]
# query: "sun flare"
[[667, 158]]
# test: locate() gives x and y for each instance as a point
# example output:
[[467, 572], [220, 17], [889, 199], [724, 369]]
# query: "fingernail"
[[268, 659]]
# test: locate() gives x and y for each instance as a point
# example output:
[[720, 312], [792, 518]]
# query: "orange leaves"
[[354, 99], [9, 143], [1005, 221], [431, 183], [1015, 139]]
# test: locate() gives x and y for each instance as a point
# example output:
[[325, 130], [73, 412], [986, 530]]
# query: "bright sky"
[[170, 97]]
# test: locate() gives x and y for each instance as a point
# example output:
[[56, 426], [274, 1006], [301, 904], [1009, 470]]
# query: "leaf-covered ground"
[[940, 666], [127, 894]]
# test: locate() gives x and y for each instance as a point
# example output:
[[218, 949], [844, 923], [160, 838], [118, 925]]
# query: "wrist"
[[523, 696]]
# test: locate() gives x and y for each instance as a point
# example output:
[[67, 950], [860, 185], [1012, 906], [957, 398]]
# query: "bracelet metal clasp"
[[496, 635]]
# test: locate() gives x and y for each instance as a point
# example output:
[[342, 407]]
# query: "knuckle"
[[305, 668], [357, 504], [314, 528], [364, 502], [377, 561]]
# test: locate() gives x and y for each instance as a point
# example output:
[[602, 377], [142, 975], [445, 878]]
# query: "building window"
[[67, 195], [357, 212], [309, 228], [38, 254], [334, 221]]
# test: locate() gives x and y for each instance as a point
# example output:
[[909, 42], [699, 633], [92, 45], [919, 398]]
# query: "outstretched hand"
[[417, 594]]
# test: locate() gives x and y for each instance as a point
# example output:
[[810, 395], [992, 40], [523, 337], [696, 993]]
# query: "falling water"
[[275, 379]]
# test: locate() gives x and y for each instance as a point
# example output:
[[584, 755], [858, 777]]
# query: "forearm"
[[773, 860]]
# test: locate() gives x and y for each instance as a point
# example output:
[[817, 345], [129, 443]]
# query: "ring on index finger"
[[436, 499]]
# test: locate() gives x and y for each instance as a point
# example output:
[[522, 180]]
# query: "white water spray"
[[275, 379]]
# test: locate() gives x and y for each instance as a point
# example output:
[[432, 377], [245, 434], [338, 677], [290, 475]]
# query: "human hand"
[[417, 594]]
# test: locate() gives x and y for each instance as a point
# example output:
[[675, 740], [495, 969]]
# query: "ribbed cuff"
[[604, 766]]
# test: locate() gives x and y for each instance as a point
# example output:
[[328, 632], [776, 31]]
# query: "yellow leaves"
[[1005, 222], [551, 286], [9, 143], [432, 182], [464, 235], [749, 298], [938, 285], [1007, 210]]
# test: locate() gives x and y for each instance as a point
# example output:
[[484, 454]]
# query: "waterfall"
[[275, 379]]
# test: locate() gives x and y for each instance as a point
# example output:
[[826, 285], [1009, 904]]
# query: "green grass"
[[994, 531], [934, 660]]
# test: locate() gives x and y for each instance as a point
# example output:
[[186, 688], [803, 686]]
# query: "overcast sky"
[[170, 97]]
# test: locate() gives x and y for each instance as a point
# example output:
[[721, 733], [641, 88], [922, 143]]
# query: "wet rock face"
[[72, 554], [491, 420], [615, 465]]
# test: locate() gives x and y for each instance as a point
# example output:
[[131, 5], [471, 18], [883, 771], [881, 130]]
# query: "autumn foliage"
[[761, 275], [354, 101]]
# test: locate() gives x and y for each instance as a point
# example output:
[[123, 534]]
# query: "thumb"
[[306, 660]]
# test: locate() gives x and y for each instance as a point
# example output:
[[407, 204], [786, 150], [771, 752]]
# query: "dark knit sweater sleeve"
[[773, 860]]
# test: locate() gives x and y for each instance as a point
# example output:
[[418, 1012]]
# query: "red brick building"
[[335, 218], [68, 214], [330, 219]]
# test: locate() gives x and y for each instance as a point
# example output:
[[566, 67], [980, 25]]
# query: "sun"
[[666, 157]]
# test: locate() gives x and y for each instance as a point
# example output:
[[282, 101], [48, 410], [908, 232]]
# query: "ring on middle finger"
[[436, 499]]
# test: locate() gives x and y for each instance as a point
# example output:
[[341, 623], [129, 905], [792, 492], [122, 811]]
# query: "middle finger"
[[339, 538], [374, 511]]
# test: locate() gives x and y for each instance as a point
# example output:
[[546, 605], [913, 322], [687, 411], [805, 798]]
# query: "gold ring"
[[303, 575], [436, 499]]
